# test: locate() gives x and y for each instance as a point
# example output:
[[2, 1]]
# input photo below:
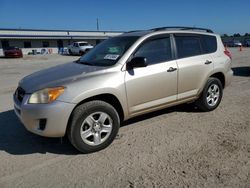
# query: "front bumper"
[[55, 114]]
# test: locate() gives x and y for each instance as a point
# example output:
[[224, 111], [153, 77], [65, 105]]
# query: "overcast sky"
[[222, 16]]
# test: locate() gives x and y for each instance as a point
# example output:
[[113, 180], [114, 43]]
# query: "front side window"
[[155, 51], [108, 52], [188, 46]]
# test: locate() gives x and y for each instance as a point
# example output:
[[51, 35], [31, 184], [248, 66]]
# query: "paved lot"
[[176, 147]]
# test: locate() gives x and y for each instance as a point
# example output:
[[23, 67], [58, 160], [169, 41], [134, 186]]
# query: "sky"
[[222, 16]]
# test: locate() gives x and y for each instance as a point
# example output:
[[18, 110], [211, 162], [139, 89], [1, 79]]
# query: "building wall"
[[17, 37], [37, 44]]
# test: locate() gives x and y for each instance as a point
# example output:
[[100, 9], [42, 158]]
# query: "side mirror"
[[137, 62]]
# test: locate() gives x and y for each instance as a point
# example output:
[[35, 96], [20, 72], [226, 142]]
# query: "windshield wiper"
[[83, 62]]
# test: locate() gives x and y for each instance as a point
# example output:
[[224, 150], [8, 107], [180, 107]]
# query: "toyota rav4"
[[125, 76]]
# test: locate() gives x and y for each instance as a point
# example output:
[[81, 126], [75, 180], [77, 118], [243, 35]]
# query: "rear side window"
[[156, 50], [188, 46], [209, 44]]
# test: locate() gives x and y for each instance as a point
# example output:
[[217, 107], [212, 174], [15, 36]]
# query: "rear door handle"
[[208, 62], [171, 69]]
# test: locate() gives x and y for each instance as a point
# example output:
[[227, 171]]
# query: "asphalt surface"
[[175, 147]]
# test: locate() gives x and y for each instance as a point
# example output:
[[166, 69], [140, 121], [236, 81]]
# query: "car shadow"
[[187, 108], [16, 140], [241, 71]]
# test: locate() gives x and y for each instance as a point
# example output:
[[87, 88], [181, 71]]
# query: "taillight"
[[226, 52]]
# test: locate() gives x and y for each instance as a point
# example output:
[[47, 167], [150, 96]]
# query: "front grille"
[[20, 94]]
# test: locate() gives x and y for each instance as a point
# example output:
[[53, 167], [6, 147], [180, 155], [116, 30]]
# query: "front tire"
[[93, 126], [211, 95]]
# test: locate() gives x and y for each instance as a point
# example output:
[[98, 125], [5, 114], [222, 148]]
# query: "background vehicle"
[[13, 52], [247, 43], [123, 77], [234, 43], [79, 48]]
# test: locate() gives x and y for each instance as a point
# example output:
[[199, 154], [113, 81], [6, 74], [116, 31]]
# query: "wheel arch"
[[220, 76], [106, 97]]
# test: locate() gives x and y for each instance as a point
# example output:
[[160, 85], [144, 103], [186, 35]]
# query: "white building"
[[52, 40]]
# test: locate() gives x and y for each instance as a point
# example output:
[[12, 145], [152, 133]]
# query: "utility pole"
[[97, 24]]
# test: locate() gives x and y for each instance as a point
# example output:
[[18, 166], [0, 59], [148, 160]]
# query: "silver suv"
[[123, 77]]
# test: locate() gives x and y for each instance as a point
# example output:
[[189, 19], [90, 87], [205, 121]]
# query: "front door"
[[155, 85]]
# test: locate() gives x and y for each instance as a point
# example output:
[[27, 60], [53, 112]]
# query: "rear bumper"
[[55, 114]]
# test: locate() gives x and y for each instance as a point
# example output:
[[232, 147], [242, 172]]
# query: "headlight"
[[46, 95]]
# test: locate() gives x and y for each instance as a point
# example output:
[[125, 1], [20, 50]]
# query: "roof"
[[78, 34], [55, 34]]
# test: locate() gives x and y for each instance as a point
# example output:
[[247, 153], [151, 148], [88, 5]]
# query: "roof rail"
[[133, 31], [182, 28]]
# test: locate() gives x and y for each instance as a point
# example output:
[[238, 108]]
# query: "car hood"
[[56, 76]]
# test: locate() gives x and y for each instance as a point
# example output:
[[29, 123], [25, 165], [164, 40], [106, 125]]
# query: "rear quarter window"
[[209, 43]]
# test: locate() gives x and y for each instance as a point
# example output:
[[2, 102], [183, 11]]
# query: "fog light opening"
[[42, 124]]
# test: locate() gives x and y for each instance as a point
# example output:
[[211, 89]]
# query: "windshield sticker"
[[111, 57]]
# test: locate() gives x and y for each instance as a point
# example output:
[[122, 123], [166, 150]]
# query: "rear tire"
[[93, 126], [70, 52], [211, 95]]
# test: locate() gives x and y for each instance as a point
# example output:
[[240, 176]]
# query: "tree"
[[236, 35], [247, 34]]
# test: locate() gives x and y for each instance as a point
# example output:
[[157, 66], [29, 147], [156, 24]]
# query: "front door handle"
[[171, 69], [208, 62]]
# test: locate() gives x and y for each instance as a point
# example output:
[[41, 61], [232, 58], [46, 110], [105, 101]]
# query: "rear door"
[[194, 64]]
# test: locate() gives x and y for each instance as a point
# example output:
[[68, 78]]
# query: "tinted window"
[[5, 44], [156, 51], [188, 46], [209, 44], [27, 44], [45, 44]]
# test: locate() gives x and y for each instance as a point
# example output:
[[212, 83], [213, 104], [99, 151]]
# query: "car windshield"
[[108, 52]]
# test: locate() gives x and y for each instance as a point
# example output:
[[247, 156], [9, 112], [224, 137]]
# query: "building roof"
[[55, 34]]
